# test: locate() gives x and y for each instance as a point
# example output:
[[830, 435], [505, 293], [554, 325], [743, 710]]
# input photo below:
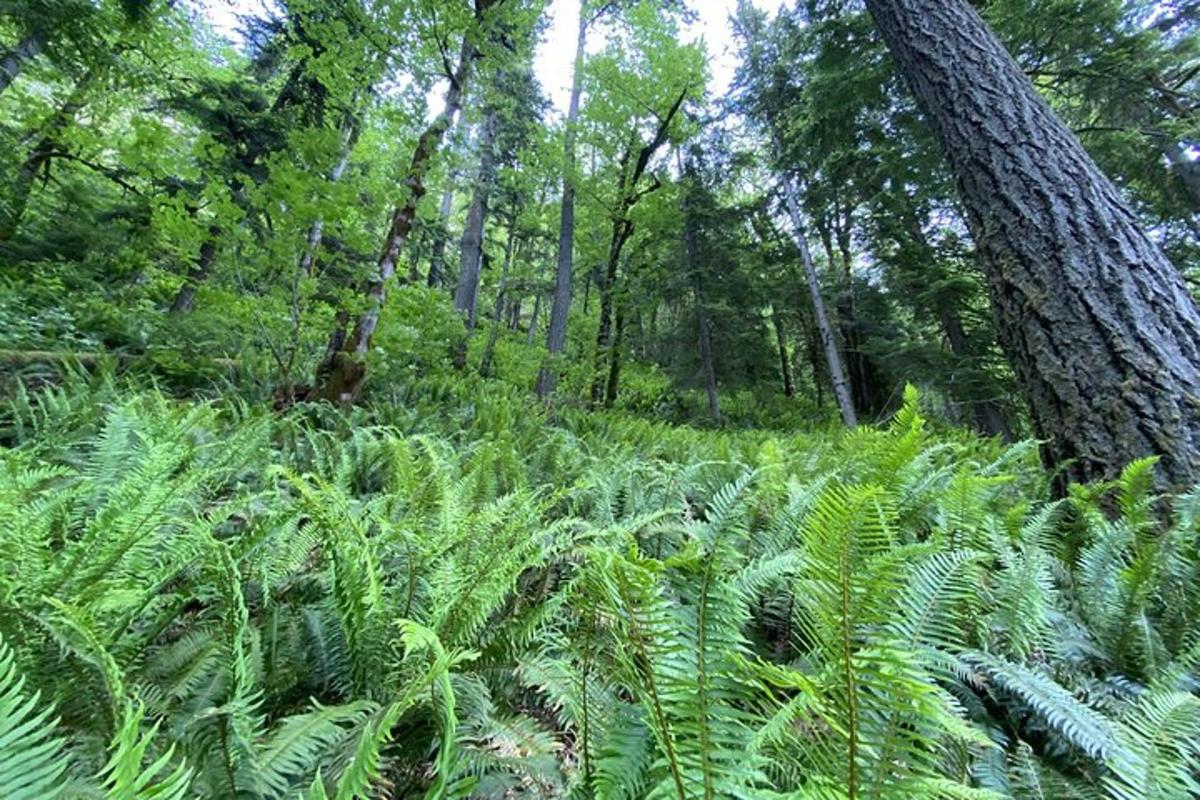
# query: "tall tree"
[[341, 378], [560, 307], [1099, 326]]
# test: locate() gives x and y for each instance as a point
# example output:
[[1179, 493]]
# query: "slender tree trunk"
[[317, 229], [15, 60], [514, 313], [13, 208], [560, 309], [345, 376], [471, 259], [785, 366], [692, 269], [186, 298], [437, 259], [1184, 167], [613, 385], [1099, 326], [833, 360], [489, 352], [622, 228], [989, 417], [531, 335]]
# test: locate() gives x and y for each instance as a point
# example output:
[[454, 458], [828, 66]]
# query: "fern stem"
[[659, 714], [847, 657]]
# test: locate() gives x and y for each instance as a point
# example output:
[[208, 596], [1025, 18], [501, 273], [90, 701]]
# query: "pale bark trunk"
[[471, 258], [15, 60], [1099, 326], [691, 269], [437, 259], [1184, 167], [317, 229], [560, 309], [833, 360]]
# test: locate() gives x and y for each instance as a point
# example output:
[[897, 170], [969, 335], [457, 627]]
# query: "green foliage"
[[317, 605]]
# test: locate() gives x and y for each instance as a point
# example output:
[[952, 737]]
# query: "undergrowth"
[[452, 596]]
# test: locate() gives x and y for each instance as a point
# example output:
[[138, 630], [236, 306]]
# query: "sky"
[[557, 51], [555, 55]]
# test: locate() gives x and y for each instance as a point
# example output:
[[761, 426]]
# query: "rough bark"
[[347, 372], [15, 60], [560, 308], [833, 360], [1099, 326], [471, 258]]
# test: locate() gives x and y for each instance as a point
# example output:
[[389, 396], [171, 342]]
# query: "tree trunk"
[[317, 229], [692, 270], [560, 309], [514, 313], [186, 297], [531, 335], [12, 211], [471, 259], [1100, 328], [989, 417], [437, 258], [346, 374], [614, 361], [785, 366], [14, 60], [489, 352], [622, 228], [1184, 167], [833, 361]]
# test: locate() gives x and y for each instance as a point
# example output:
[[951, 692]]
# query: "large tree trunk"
[[560, 309], [1099, 326], [471, 259], [343, 379], [833, 360], [16, 59]]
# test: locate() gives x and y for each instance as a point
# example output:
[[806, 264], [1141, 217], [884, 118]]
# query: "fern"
[[32, 757]]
